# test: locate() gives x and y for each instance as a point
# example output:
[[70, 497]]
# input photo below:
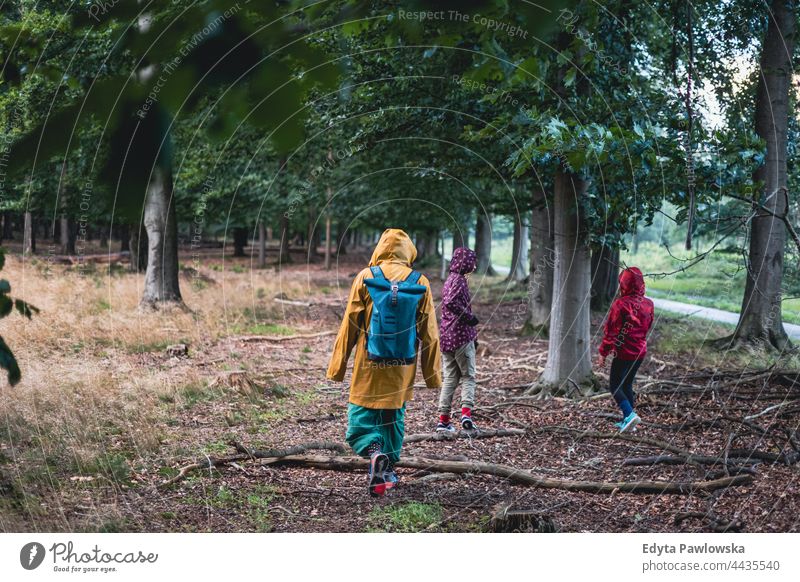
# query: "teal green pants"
[[368, 425]]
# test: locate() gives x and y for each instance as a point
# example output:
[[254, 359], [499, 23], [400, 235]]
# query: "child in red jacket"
[[625, 339]]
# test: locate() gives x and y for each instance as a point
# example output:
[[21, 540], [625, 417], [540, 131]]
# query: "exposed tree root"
[[518, 476]]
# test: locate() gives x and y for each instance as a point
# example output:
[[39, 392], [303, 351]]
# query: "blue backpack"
[[392, 334]]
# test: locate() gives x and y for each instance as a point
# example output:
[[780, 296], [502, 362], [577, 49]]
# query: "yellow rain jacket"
[[377, 385]]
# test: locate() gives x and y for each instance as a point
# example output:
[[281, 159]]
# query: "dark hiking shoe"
[[468, 424], [378, 465]]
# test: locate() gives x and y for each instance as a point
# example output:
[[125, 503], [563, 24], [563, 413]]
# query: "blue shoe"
[[378, 465], [446, 427], [619, 424], [391, 478], [630, 422]]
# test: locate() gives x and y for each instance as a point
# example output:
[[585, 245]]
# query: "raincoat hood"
[[395, 246], [631, 282], [464, 261]]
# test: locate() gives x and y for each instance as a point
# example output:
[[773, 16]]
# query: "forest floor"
[[107, 412]]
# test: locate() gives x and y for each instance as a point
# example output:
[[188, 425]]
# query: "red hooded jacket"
[[629, 320]]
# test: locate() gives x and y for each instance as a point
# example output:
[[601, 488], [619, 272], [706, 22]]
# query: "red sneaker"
[[378, 465]]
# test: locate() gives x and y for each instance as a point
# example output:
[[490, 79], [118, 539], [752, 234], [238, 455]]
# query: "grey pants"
[[459, 366]]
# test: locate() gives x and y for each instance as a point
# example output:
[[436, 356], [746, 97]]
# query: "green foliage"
[[412, 516], [7, 360]]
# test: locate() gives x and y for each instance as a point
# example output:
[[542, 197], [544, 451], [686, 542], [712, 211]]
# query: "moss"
[[412, 516]]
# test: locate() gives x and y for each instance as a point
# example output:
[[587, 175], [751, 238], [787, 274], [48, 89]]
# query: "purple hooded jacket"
[[455, 328]]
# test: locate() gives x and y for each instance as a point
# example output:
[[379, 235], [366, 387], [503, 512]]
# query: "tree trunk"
[[283, 255], [138, 247], [483, 244], [542, 261], [519, 252], [760, 321], [67, 235], [427, 246], [460, 238], [328, 242], [569, 368], [239, 241], [605, 277], [161, 278], [124, 234], [313, 232], [341, 241], [262, 245], [8, 226], [29, 235]]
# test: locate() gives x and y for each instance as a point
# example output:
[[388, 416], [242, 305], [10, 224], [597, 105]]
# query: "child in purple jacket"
[[458, 341]]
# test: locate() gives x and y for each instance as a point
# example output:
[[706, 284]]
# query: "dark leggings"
[[623, 373]]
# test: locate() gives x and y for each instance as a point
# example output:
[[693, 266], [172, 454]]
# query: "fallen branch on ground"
[[463, 434], [283, 338], [518, 476], [292, 302], [715, 522], [579, 434], [247, 454]]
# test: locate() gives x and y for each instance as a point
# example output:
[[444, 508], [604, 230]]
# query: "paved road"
[[698, 311], [713, 314]]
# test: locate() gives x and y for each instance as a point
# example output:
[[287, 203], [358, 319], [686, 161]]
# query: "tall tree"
[[760, 320], [542, 262], [569, 366], [483, 244]]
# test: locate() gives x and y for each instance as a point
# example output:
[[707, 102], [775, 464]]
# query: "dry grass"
[[96, 396]]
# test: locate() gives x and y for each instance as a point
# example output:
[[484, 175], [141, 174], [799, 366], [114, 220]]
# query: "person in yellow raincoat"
[[379, 391]]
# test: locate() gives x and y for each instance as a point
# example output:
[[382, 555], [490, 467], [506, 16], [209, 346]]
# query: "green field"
[[716, 281]]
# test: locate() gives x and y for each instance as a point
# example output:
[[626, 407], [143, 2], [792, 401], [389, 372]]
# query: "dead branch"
[[519, 476], [246, 454], [769, 409], [715, 522], [283, 338], [508, 519], [580, 434], [292, 302], [481, 434], [310, 419]]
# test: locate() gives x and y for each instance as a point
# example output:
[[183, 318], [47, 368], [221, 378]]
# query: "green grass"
[[689, 341], [405, 517], [149, 347], [255, 505], [716, 281]]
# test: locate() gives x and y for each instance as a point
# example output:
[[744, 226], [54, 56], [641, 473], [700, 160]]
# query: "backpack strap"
[[377, 273], [413, 277]]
